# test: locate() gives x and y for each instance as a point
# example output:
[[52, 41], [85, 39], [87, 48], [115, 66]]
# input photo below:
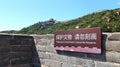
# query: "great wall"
[[38, 51]]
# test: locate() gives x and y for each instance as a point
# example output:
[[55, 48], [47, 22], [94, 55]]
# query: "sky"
[[17, 14]]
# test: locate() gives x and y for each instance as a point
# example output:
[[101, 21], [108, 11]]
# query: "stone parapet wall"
[[17, 51], [49, 57], [38, 51]]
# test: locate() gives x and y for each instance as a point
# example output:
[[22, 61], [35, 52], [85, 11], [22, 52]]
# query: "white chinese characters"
[[81, 36], [64, 37], [86, 36]]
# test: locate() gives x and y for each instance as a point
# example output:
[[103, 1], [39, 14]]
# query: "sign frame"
[[86, 40]]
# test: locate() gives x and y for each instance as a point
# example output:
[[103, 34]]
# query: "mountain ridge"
[[108, 20]]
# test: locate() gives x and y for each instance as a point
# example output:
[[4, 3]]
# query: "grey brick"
[[67, 65], [42, 61], [86, 62], [113, 45], [50, 49], [41, 42], [52, 63], [57, 57], [113, 57], [72, 60], [23, 48], [115, 37], [41, 48], [80, 61], [106, 64], [79, 66], [22, 65], [43, 55], [50, 42], [4, 42], [39, 36], [44, 66]]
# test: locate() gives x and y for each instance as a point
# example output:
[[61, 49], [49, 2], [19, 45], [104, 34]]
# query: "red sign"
[[79, 40]]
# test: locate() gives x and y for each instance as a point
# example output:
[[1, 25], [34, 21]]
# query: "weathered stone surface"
[[67, 65], [44, 66], [43, 55], [5, 36], [20, 54], [23, 65], [73, 54], [50, 42], [85, 62], [72, 60], [22, 37], [36, 65], [38, 36], [106, 64], [113, 57], [41, 48], [36, 60], [17, 61], [115, 37], [80, 61], [42, 61], [47, 36], [4, 42], [21, 48], [60, 58], [4, 49], [79, 66], [50, 49], [63, 58], [113, 45], [35, 41], [17, 51], [4, 63], [52, 63], [21, 42], [98, 57], [50, 36], [4, 56], [41, 42]]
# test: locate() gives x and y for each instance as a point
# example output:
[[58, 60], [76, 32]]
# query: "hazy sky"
[[16, 14]]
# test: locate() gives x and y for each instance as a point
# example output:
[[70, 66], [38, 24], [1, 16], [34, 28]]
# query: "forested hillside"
[[108, 20]]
